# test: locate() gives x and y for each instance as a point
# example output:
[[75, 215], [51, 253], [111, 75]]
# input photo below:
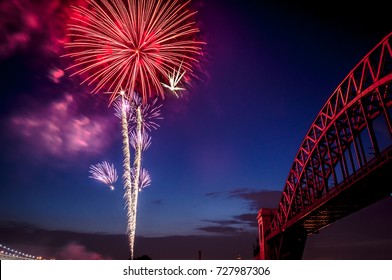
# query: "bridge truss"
[[343, 162]]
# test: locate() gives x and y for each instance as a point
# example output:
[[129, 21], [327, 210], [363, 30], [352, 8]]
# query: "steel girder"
[[333, 149]]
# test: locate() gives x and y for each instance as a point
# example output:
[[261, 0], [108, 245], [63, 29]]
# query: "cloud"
[[60, 130], [250, 219], [254, 200], [75, 251], [240, 223], [213, 194], [223, 222], [220, 229], [62, 244], [362, 235], [226, 227], [56, 74], [16, 25], [257, 199], [20, 21], [38, 24], [75, 245]]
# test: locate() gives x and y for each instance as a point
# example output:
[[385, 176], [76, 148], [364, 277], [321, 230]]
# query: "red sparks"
[[132, 45]]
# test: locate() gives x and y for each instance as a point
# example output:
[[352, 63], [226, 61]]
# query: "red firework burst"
[[133, 45]]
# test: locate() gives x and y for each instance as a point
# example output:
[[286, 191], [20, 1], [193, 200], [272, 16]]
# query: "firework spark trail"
[[142, 117], [105, 173], [123, 108], [128, 47], [127, 170], [134, 45], [136, 168]]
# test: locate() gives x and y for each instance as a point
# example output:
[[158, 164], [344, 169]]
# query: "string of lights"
[[9, 252]]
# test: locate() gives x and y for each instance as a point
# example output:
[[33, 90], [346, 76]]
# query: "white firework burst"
[[105, 173], [142, 140], [174, 79], [144, 178], [150, 112], [121, 106]]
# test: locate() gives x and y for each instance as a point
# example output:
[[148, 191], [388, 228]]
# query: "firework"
[[174, 79], [137, 164], [124, 107], [136, 118], [121, 106], [134, 49], [142, 140], [144, 179], [105, 173], [150, 112], [133, 45]]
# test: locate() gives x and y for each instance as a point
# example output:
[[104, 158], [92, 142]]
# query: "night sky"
[[220, 153]]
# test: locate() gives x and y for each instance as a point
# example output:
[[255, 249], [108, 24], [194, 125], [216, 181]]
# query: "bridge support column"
[[291, 243], [264, 219]]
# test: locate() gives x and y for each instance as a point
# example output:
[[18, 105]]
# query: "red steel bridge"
[[344, 162]]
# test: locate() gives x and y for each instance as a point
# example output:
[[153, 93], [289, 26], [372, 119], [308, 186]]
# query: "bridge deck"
[[365, 187]]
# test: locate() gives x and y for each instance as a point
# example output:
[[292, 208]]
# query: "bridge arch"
[[347, 148]]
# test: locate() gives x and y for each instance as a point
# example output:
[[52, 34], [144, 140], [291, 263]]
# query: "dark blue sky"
[[219, 154]]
